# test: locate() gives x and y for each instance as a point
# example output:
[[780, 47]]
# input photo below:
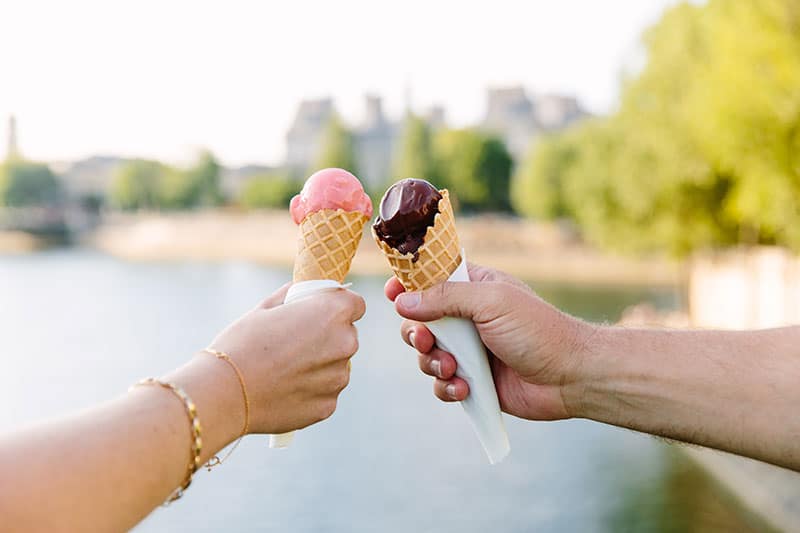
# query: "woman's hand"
[[294, 357], [535, 349]]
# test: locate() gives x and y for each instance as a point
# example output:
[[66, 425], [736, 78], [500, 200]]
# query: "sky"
[[164, 79]]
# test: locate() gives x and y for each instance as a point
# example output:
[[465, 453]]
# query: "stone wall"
[[745, 289]]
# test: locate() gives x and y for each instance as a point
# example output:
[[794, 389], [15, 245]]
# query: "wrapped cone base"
[[439, 255], [460, 337]]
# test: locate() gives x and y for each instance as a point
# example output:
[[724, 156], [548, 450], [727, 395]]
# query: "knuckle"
[[406, 327], [440, 291], [353, 345], [495, 296], [348, 344], [343, 381], [438, 390], [425, 364], [342, 304], [422, 360], [360, 306], [326, 409]]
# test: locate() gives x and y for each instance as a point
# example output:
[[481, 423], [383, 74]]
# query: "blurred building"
[[519, 118], [554, 111], [304, 138], [233, 179], [374, 139], [90, 177], [436, 117], [511, 113], [374, 144]]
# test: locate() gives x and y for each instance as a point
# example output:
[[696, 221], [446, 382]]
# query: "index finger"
[[356, 305], [392, 288]]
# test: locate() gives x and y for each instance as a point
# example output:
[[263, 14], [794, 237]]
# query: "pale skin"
[[106, 468], [737, 391]]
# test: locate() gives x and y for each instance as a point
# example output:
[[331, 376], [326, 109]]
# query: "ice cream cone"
[[328, 242], [439, 255], [440, 258]]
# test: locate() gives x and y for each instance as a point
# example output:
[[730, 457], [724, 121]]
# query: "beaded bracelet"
[[194, 421]]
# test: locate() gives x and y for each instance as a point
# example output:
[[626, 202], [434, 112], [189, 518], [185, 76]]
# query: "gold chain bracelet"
[[197, 440], [214, 461]]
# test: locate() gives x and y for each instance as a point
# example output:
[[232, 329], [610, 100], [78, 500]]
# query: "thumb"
[[457, 299]]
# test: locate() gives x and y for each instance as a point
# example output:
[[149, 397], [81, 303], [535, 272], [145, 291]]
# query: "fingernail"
[[411, 338], [436, 366], [450, 390], [410, 300]]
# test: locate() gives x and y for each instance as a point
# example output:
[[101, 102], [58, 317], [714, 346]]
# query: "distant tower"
[[436, 117], [13, 149], [407, 104]]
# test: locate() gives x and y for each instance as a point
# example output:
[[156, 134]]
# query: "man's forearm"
[[736, 391]]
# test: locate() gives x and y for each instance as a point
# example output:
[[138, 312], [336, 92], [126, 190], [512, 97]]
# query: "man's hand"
[[732, 390], [535, 349]]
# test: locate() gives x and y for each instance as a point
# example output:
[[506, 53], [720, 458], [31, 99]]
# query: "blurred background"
[[634, 162]]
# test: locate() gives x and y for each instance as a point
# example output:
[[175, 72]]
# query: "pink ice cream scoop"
[[330, 188]]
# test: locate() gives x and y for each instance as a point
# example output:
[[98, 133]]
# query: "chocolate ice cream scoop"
[[407, 210]]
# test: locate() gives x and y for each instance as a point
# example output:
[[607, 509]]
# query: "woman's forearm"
[[735, 391], [106, 468]]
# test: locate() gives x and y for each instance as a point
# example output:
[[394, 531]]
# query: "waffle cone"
[[439, 255], [327, 244]]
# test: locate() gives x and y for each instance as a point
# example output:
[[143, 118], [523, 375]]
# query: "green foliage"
[[414, 155], [268, 191], [23, 183], [337, 150], [476, 167], [537, 186], [143, 184], [203, 182], [175, 189], [495, 168], [138, 184], [703, 151]]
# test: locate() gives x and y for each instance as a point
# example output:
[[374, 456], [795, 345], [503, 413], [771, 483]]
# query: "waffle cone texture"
[[327, 244], [439, 255]]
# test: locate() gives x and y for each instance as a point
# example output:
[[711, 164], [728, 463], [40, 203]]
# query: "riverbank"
[[542, 252], [18, 242]]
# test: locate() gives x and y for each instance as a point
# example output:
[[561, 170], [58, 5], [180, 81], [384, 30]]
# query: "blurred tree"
[[23, 183], [495, 168], [138, 184], [268, 191], [476, 167], [744, 112], [703, 150], [337, 149], [414, 156], [202, 183], [143, 184], [176, 189], [537, 186]]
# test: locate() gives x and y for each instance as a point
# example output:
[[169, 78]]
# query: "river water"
[[79, 327]]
